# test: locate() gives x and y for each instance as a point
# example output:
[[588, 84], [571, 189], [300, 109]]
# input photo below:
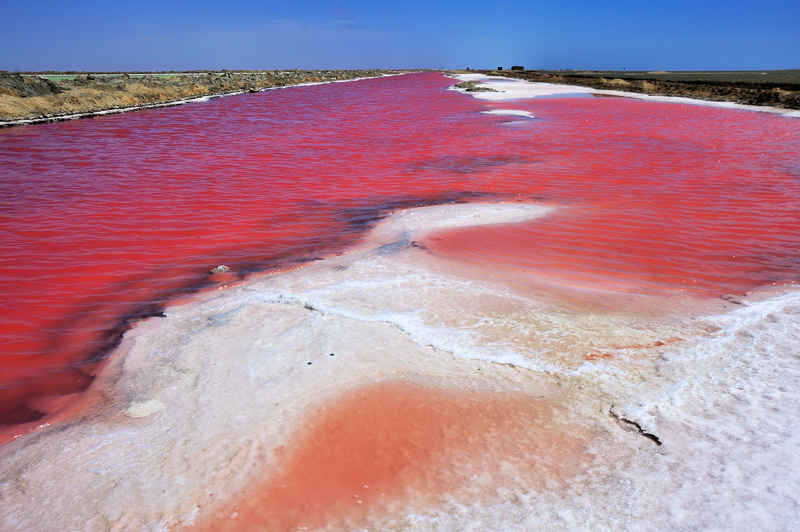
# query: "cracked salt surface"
[[198, 402]]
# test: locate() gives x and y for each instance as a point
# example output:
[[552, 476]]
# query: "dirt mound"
[[17, 85]]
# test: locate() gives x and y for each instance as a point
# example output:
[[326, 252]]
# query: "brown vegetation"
[[36, 97]]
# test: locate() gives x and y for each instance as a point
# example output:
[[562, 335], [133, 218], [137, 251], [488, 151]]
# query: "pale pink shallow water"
[[103, 221]]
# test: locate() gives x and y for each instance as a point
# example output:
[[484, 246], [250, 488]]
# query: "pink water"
[[103, 221]]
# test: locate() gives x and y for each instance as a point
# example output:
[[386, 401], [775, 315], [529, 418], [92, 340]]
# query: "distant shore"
[[45, 97], [774, 88]]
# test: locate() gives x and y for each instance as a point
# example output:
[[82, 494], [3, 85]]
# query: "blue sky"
[[153, 35]]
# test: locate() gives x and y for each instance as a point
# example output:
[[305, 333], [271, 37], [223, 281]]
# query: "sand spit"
[[82, 96], [504, 89], [386, 388]]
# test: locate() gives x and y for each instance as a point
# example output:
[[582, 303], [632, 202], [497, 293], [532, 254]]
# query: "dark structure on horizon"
[[517, 67]]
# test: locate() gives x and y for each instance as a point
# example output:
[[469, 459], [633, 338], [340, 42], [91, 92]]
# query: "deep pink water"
[[102, 221]]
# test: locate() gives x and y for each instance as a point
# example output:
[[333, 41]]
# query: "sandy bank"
[[461, 400]]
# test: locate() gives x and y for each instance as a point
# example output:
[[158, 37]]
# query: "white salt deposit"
[[145, 408], [194, 404], [509, 112], [515, 89], [415, 223], [789, 113]]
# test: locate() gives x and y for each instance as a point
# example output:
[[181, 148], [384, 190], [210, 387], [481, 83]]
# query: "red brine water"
[[103, 221]]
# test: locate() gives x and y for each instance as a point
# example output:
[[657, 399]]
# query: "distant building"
[[517, 67], [499, 68]]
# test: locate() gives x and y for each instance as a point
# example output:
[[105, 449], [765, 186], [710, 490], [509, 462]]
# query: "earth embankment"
[[45, 96]]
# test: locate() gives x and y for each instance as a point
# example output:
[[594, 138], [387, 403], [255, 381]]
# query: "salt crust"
[[509, 112], [515, 89], [145, 408], [195, 403]]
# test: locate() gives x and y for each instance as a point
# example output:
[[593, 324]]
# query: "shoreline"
[[558, 84], [387, 385], [503, 88], [59, 117], [756, 92], [236, 391]]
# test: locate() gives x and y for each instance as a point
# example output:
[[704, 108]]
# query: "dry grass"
[[617, 82], [88, 99], [649, 87], [99, 95]]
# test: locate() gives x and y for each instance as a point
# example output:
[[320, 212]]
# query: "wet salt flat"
[[585, 321]]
